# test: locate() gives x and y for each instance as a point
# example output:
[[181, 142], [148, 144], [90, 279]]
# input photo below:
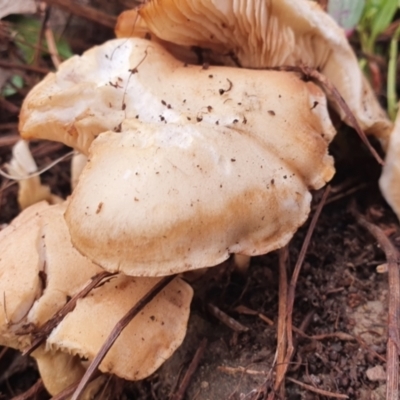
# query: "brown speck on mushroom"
[[99, 207], [271, 112]]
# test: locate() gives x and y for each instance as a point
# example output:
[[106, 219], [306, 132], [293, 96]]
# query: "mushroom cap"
[[20, 265], [266, 33], [157, 199], [390, 179], [149, 339], [40, 270], [134, 78]]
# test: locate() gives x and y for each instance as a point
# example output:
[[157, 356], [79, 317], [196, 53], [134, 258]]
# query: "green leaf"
[[28, 31], [383, 18], [9, 90]]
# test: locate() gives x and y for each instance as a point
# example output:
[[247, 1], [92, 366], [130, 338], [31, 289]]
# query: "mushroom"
[[30, 189], [158, 199], [137, 79], [390, 179], [40, 270], [260, 34]]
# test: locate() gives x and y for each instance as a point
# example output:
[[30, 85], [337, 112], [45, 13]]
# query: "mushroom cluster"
[[187, 163], [40, 277]]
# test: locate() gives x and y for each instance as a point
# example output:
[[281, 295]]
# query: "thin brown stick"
[[23, 67], [292, 287], [46, 14], [190, 371], [393, 341], [51, 44], [226, 319], [7, 105], [241, 370], [8, 140], [331, 89], [118, 328], [282, 329], [318, 391], [86, 12], [32, 392], [45, 330]]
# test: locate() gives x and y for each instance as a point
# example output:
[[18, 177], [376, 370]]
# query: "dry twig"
[[46, 329], [291, 295], [393, 341], [190, 371], [32, 392], [318, 391], [86, 12], [281, 368], [226, 319]]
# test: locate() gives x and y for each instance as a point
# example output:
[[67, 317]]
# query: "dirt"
[[340, 304]]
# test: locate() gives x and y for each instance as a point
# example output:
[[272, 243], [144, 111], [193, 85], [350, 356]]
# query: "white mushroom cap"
[[160, 199], [135, 78], [265, 33], [40, 270], [390, 179]]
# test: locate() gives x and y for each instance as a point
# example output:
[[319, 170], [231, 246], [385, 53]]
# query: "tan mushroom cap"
[[145, 343], [135, 78], [264, 33], [20, 265], [160, 199], [40, 270], [390, 179]]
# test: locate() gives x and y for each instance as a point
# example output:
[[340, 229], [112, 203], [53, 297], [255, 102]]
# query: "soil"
[[340, 304]]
